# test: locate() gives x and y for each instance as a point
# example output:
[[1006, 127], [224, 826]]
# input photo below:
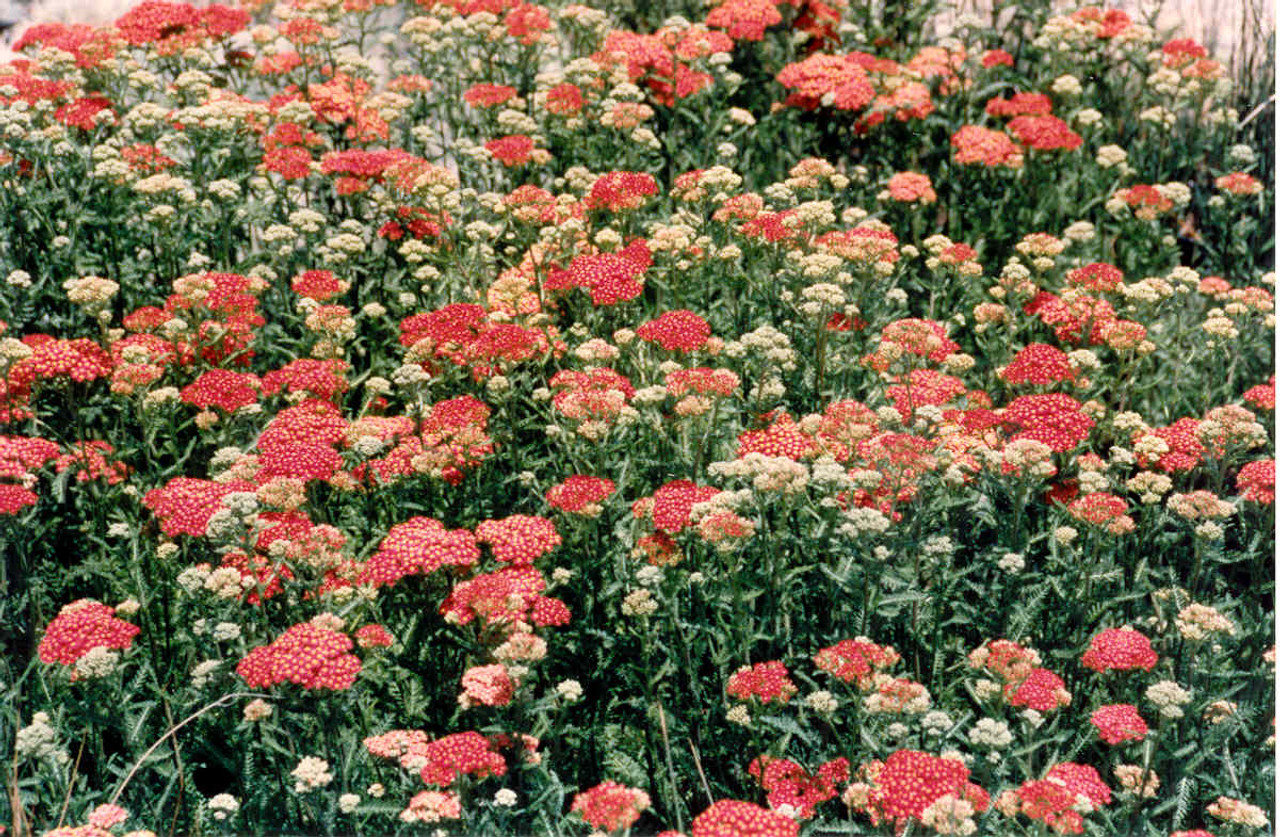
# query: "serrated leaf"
[[624, 768], [788, 725]]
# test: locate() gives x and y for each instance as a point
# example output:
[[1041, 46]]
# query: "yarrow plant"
[[711, 418]]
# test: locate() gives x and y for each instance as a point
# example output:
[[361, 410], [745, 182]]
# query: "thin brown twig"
[[71, 783], [15, 802], [1253, 114], [671, 770], [138, 764], [697, 763]]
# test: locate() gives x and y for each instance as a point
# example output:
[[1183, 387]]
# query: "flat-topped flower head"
[[1118, 723], [766, 682], [308, 655], [81, 627], [1119, 649], [610, 806], [734, 818], [518, 539]]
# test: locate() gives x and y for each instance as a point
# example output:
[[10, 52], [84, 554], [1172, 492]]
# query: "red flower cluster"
[[90, 46], [1020, 104], [320, 285], [173, 27], [1262, 396], [1056, 419], [511, 150], [564, 99], [732, 818], [488, 95], [525, 22], [308, 655], [184, 505], [921, 388], [320, 378], [80, 360], [610, 277], [1102, 509], [579, 494], [1069, 318], [649, 59], [460, 754], [489, 685], [618, 191], [823, 80], [909, 781], [910, 187], [1146, 201], [745, 20], [82, 626], [672, 504], [1044, 133], [783, 437], [453, 439], [1054, 799], [1239, 183], [787, 783], [610, 806], [1119, 649], [1098, 277], [81, 113], [1041, 690], [598, 394], [220, 307], [1119, 722], [1109, 22], [518, 539], [702, 381], [509, 595], [1185, 450], [19, 455], [224, 389], [975, 144], [418, 546], [285, 153], [300, 461], [373, 636], [774, 227], [90, 462], [856, 661], [766, 682], [996, 58], [146, 158], [450, 328], [1257, 481], [1038, 364], [357, 168], [677, 331], [312, 422]]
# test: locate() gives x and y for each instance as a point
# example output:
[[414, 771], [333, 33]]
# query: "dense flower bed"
[[751, 418]]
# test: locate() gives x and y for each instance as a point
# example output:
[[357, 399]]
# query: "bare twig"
[[227, 698], [20, 827], [697, 762], [71, 783], [1253, 114], [671, 769]]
